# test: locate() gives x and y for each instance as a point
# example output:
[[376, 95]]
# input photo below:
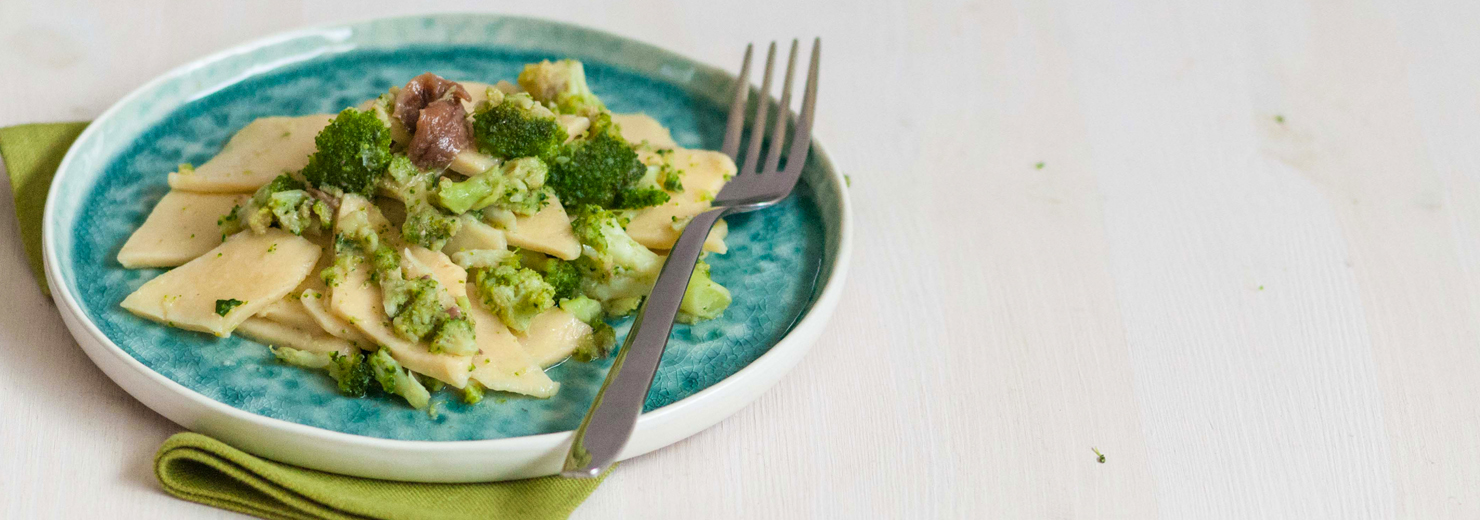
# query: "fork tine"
[[737, 109], [758, 125], [773, 154], [801, 140]]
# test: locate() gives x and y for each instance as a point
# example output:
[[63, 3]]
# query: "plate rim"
[[778, 360]]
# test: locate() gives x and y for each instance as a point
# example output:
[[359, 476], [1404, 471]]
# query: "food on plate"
[[443, 234]]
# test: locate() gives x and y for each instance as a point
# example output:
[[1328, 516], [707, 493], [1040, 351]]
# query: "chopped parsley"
[[223, 307], [1100, 456]]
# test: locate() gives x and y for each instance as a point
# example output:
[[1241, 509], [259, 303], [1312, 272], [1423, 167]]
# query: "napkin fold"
[[200, 469]]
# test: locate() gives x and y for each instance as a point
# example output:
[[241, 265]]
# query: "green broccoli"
[[563, 277], [518, 186], [353, 153], [282, 202], [609, 249], [425, 224], [583, 308], [455, 335], [704, 299], [596, 168], [645, 191], [516, 294], [473, 393], [429, 227], [418, 310], [517, 127], [561, 84], [396, 380], [351, 372]]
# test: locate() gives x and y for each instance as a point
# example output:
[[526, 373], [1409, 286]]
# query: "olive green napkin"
[[201, 469], [32, 154]]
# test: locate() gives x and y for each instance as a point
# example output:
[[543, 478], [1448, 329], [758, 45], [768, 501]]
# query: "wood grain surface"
[[1233, 246]]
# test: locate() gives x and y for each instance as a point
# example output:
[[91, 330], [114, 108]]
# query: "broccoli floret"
[[583, 308], [429, 227], [595, 168], [296, 212], [615, 267], [282, 202], [645, 191], [517, 186], [353, 153], [351, 372], [455, 336], [704, 299], [425, 224], [561, 84], [473, 393], [563, 277], [516, 294], [418, 308], [636, 198], [608, 246], [396, 380], [517, 127]]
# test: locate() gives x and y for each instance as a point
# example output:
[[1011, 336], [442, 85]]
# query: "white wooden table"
[[1247, 270]]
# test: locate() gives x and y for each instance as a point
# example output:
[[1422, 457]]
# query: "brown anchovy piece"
[[441, 132], [422, 91]]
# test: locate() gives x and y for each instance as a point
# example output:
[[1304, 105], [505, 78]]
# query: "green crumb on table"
[[1038, 166], [847, 179], [224, 307], [1261, 287], [1100, 457], [1279, 119]]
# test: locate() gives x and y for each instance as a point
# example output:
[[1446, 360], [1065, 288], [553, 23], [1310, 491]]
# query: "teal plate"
[[116, 173]]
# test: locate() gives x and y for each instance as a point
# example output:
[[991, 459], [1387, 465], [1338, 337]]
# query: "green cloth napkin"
[[32, 154], [201, 469]]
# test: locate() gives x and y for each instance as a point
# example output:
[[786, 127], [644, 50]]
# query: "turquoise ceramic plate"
[[783, 264]]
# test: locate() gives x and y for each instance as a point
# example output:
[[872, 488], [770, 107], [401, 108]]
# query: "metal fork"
[[608, 424]]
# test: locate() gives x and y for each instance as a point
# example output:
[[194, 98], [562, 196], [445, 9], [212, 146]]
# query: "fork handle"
[[613, 415]]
